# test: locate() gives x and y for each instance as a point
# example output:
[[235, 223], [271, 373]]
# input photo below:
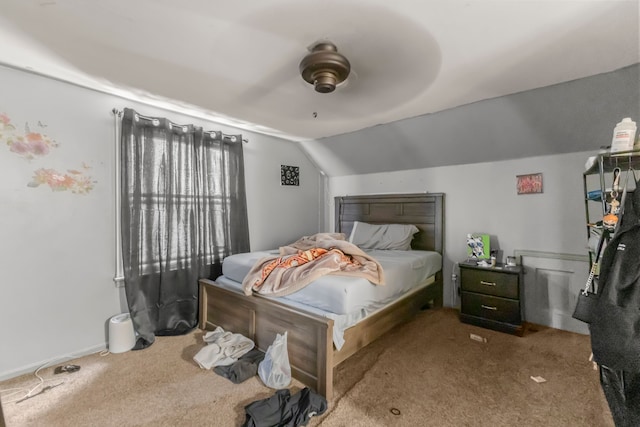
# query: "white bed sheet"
[[343, 295]]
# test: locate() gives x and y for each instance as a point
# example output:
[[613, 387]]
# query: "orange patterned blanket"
[[305, 260]]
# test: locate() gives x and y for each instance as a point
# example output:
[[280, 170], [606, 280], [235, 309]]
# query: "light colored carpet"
[[428, 373], [158, 386]]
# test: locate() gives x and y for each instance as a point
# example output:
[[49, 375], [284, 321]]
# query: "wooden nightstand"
[[491, 297]]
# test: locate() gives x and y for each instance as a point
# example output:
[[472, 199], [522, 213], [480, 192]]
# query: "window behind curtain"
[[183, 209]]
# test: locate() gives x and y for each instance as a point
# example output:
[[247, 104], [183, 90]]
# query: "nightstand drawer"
[[490, 307], [489, 282]]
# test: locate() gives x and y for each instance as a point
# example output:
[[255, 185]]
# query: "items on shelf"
[[611, 171], [610, 219], [596, 195], [624, 136]]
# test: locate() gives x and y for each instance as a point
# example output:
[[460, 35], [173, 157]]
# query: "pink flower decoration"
[[61, 182], [39, 147], [20, 147]]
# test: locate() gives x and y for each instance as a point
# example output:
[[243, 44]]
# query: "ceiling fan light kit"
[[324, 67]]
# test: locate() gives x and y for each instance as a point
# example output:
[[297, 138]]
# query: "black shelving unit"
[[602, 165]]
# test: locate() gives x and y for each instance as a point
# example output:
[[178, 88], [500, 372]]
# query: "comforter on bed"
[[305, 260]]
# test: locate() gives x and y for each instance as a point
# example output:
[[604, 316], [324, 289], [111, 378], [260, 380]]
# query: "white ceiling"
[[238, 60]]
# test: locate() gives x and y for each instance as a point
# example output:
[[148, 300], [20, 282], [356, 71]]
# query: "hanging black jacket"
[[615, 328]]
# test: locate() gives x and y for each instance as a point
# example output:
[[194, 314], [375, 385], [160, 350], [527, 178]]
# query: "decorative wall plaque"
[[529, 184], [289, 175]]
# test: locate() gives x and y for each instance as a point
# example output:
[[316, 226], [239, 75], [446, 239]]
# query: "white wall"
[[58, 248], [482, 198]]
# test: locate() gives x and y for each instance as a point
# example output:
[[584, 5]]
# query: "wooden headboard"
[[424, 210]]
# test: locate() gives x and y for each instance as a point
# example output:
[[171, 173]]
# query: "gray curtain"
[[183, 209]]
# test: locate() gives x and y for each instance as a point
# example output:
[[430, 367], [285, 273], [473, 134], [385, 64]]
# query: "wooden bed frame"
[[310, 337]]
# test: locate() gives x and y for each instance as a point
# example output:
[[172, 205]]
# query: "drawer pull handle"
[[488, 307], [482, 282]]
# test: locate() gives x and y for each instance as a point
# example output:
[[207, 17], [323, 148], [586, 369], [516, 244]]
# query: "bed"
[[310, 335]]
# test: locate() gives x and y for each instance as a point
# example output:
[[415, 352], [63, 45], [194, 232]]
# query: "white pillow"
[[382, 236]]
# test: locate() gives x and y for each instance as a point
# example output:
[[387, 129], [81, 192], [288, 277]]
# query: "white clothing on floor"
[[222, 349]]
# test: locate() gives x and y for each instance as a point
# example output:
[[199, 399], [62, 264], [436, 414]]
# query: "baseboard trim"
[[28, 369]]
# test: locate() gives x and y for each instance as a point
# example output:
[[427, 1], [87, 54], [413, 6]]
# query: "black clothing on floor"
[[284, 410], [242, 369]]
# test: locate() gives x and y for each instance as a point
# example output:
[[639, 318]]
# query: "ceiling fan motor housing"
[[324, 67]]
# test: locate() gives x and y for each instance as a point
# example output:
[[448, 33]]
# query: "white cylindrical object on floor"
[[122, 337]]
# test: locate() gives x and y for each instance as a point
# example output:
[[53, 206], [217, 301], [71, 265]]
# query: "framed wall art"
[[529, 184], [289, 175]]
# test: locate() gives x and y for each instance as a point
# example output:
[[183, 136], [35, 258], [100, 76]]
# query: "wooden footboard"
[[309, 337]]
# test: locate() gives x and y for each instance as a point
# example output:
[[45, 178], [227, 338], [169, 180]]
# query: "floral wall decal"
[[73, 180], [31, 145], [28, 144]]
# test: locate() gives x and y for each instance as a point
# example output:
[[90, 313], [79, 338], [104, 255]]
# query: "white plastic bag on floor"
[[275, 370]]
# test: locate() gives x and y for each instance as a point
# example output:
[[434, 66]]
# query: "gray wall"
[[58, 248], [570, 117]]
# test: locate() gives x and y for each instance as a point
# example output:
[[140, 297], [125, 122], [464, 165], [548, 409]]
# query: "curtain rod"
[[118, 113]]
